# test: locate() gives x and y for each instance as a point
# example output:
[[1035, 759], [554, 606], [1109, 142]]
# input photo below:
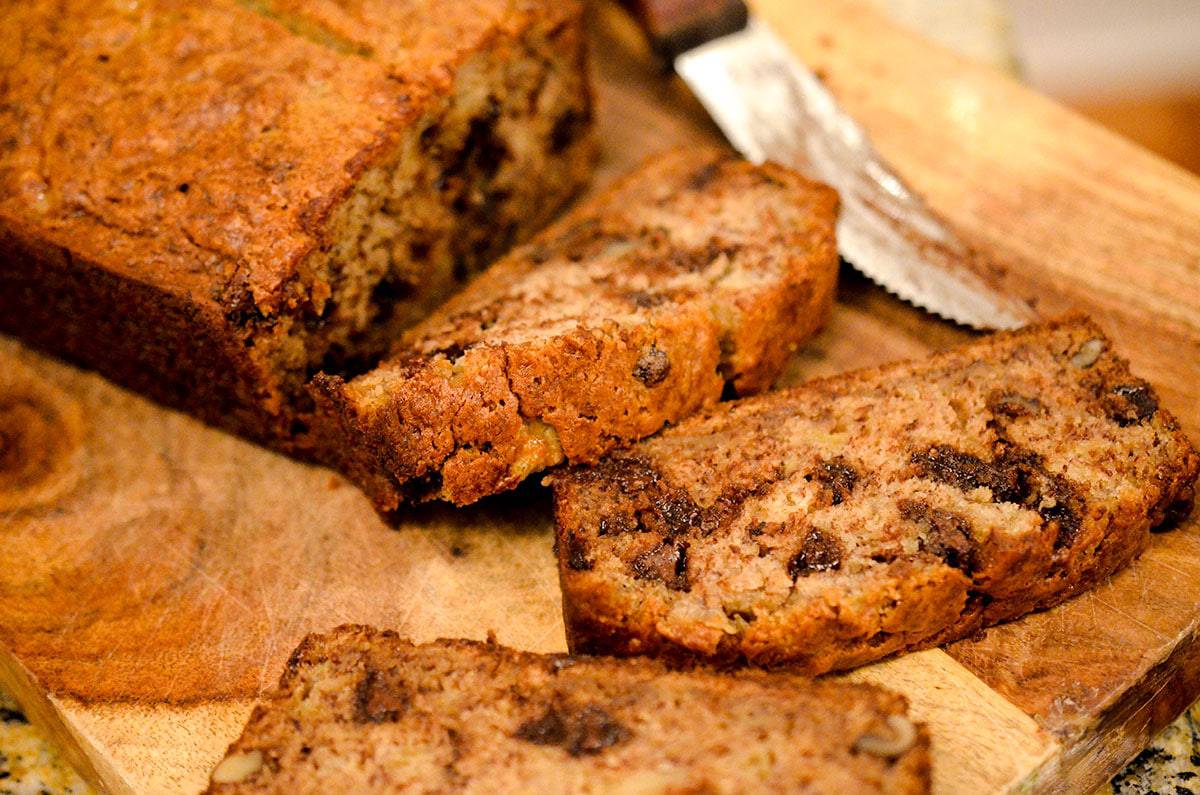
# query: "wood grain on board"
[[155, 573]]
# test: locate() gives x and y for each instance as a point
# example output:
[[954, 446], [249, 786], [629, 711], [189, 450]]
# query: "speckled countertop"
[[29, 763]]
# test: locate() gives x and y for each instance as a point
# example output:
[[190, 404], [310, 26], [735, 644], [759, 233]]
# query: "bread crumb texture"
[[850, 518], [365, 711]]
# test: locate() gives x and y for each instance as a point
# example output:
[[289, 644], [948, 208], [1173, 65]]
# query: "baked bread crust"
[[360, 710], [209, 200], [890, 509], [634, 311]]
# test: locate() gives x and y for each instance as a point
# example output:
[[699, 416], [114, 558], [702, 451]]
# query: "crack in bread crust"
[[989, 481]]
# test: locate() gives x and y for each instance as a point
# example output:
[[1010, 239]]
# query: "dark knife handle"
[[675, 26]]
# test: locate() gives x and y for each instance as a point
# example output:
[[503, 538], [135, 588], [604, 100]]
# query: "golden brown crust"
[[367, 711], [853, 517], [632, 312], [234, 172]]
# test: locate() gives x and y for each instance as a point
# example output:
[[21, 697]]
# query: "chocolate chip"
[[569, 128], [577, 558], [1058, 502], [838, 477], [943, 533], [1016, 476], [379, 701], [652, 366], [581, 731], [819, 552], [666, 563], [966, 471], [596, 730], [618, 523], [675, 514], [1132, 403], [703, 176], [548, 729]]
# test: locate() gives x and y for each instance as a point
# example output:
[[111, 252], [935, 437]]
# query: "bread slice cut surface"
[[850, 518], [696, 271], [359, 710]]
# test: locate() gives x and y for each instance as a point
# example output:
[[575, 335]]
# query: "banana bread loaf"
[[634, 311], [210, 200], [889, 509], [364, 711]]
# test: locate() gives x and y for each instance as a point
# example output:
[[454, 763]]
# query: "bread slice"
[[632, 312], [849, 518], [359, 710], [209, 200]]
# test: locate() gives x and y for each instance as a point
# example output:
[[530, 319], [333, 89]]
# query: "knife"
[[771, 107]]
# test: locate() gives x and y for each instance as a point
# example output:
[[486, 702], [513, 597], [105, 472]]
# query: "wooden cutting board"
[[155, 573]]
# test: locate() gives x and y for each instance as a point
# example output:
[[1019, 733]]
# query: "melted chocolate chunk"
[[665, 563], [580, 731], [674, 514], [704, 175], [838, 477], [1131, 404], [595, 731], [617, 523], [966, 471], [379, 701], [1057, 501], [569, 128], [819, 552], [652, 366], [943, 533], [1016, 476], [577, 558], [548, 729]]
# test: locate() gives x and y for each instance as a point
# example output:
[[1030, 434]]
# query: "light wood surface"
[[155, 573]]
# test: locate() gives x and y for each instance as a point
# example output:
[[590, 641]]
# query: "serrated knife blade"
[[771, 107]]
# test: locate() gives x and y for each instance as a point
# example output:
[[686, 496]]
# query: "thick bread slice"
[[857, 516], [364, 711], [632, 312]]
